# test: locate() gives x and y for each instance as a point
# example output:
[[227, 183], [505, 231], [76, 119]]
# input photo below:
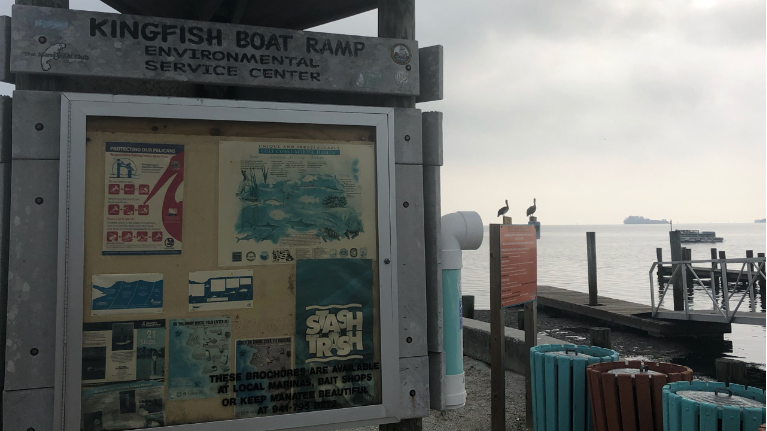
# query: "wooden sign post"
[[513, 281]]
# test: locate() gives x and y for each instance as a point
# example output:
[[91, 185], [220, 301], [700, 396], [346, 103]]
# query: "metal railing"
[[751, 270]]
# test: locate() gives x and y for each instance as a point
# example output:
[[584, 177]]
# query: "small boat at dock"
[[688, 236]]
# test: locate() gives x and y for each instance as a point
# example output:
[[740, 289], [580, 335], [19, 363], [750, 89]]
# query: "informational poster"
[[519, 265], [123, 406], [334, 330], [199, 349], [258, 359], [123, 351], [220, 290], [143, 205], [283, 202], [121, 293]]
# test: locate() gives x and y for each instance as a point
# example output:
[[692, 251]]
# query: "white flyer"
[[220, 290]]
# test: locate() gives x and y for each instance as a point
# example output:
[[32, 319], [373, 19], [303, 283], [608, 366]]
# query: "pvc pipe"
[[462, 230]]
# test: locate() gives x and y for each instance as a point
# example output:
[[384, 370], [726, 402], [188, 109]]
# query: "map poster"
[[126, 293], [256, 358], [199, 349], [283, 202], [123, 406], [220, 290], [519, 265], [334, 330], [143, 204], [123, 351]]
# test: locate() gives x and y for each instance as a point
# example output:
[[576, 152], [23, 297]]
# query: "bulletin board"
[[230, 271]]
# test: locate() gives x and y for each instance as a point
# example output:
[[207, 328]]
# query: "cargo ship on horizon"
[[642, 220]]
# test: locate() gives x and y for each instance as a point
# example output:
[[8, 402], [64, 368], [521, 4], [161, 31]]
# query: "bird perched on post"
[[531, 210], [504, 210]]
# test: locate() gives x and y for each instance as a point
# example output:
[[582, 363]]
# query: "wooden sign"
[[81, 43], [519, 265]]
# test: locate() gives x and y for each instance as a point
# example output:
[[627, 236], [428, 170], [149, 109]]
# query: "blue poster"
[[121, 293], [334, 330], [199, 348]]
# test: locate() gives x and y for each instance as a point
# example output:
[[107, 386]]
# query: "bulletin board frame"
[[75, 110]]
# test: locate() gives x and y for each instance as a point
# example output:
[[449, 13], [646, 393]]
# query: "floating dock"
[[618, 313]]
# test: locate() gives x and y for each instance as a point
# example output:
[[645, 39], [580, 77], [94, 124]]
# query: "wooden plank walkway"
[[616, 312]]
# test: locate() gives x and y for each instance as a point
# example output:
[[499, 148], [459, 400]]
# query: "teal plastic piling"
[[710, 406], [560, 394]]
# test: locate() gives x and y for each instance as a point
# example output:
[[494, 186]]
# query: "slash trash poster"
[[334, 330]]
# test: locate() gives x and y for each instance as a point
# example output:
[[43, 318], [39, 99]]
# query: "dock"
[[619, 313]]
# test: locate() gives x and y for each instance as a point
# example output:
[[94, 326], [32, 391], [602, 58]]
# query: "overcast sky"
[[600, 109]]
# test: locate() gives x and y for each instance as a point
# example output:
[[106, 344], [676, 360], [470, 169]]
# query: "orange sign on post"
[[519, 265]]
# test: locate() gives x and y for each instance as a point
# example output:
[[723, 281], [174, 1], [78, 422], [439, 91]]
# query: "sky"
[[599, 109]]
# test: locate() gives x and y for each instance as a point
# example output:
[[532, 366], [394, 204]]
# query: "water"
[[625, 254]]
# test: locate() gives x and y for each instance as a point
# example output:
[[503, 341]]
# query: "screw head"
[[42, 39], [34, 351], [387, 261], [39, 126], [405, 204], [412, 392], [39, 200], [30, 429], [408, 67], [407, 138], [409, 340]]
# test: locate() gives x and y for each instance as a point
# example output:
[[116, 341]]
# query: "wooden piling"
[[730, 371], [600, 337], [687, 255], [591, 256], [761, 281], [714, 278], [724, 279], [531, 340], [396, 19], [676, 255], [659, 254], [467, 306], [497, 336]]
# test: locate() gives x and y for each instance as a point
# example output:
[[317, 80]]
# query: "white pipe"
[[461, 230]]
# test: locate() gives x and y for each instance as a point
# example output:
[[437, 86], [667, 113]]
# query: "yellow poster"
[[282, 202]]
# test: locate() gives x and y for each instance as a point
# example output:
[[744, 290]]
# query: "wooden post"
[[730, 371], [676, 255], [714, 278], [497, 336], [506, 220], [396, 19], [761, 279], [687, 253], [600, 337], [467, 306], [724, 278], [659, 254], [591, 256], [531, 340], [751, 279]]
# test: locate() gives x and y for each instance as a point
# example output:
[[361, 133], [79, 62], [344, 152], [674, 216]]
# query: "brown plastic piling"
[[626, 402]]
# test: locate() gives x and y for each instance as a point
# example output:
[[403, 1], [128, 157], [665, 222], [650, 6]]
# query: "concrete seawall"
[[476, 344]]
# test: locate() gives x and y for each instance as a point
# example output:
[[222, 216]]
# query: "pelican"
[[504, 210], [531, 210]]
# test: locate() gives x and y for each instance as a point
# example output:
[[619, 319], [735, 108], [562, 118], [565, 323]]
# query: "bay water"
[[625, 254]]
